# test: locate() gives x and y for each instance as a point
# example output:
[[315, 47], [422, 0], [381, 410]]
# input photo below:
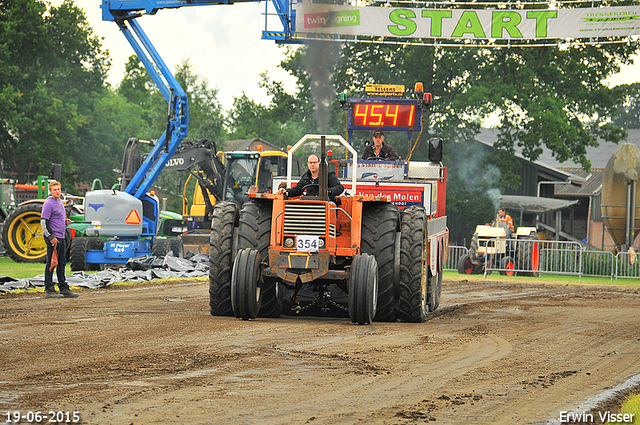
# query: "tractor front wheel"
[[245, 284], [465, 266], [254, 231], [175, 245], [508, 266], [272, 298], [363, 289]]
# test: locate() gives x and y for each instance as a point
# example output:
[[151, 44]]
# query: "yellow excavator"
[[221, 176]]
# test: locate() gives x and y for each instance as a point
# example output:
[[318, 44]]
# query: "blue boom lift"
[[129, 217]]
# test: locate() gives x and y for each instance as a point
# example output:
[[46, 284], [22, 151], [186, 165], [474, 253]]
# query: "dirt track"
[[494, 353]]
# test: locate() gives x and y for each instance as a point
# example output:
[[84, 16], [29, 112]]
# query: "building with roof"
[[579, 217]]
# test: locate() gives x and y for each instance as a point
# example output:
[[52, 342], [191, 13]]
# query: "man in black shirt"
[[378, 150], [311, 177]]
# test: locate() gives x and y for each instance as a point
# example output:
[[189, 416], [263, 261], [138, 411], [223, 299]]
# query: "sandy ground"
[[494, 353]]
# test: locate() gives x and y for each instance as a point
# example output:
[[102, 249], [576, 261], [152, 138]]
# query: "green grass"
[[546, 278], [10, 268], [631, 406]]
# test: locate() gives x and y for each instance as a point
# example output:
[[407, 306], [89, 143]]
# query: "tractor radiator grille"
[[304, 219]]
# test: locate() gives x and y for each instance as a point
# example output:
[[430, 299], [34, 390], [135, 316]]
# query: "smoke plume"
[[322, 57]]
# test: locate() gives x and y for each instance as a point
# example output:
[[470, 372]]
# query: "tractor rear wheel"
[[380, 224], [221, 252], [254, 231], [363, 289], [22, 235], [78, 254], [245, 287], [413, 266], [528, 255], [473, 249]]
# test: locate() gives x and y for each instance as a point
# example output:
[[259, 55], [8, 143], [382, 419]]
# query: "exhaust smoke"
[[322, 57]]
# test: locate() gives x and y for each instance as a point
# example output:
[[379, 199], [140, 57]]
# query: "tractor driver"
[[311, 178], [503, 217], [378, 150]]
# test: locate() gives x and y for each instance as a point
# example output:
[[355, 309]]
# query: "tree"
[[628, 115], [545, 97], [282, 122], [206, 120], [52, 69]]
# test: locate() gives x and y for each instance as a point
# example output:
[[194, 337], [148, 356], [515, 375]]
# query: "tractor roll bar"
[[317, 137]]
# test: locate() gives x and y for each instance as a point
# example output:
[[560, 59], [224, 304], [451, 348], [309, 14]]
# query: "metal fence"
[[536, 257]]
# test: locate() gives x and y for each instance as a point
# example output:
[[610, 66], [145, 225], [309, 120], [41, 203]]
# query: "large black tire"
[[22, 235], [380, 225], [434, 291], [175, 246], [508, 265], [272, 298], [465, 266], [67, 242], [528, 256], [160, 247], [78, 255], [434, 282], [413, 266], [473, 249], [245, 287], [221, 253], [363, 289], [254, 231]]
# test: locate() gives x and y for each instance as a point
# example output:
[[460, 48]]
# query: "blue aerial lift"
[[129, 217]]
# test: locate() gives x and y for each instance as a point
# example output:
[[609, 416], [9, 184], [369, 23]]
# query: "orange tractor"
[[360, 255]]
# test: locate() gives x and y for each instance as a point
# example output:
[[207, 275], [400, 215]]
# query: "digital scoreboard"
[[384, 114]]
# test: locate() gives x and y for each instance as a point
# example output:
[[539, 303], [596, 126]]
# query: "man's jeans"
[[62, 261]]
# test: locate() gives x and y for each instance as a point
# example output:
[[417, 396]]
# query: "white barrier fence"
[[536, 257]]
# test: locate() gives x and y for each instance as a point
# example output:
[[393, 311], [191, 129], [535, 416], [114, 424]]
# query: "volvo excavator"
[[221, 176]]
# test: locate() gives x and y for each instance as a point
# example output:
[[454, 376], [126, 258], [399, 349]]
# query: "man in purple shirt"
[[54, 222]]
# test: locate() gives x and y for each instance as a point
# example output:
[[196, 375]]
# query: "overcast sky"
[[223, 45]]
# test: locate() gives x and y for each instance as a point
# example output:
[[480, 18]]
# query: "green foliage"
[[628, 115], [138, 96], [630, 407], [52, 70], [205, 112]]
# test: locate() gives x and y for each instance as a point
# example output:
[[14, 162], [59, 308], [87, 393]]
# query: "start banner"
[[475, 24]]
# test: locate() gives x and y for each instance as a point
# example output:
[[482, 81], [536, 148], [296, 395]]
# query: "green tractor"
[[22, 237]]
